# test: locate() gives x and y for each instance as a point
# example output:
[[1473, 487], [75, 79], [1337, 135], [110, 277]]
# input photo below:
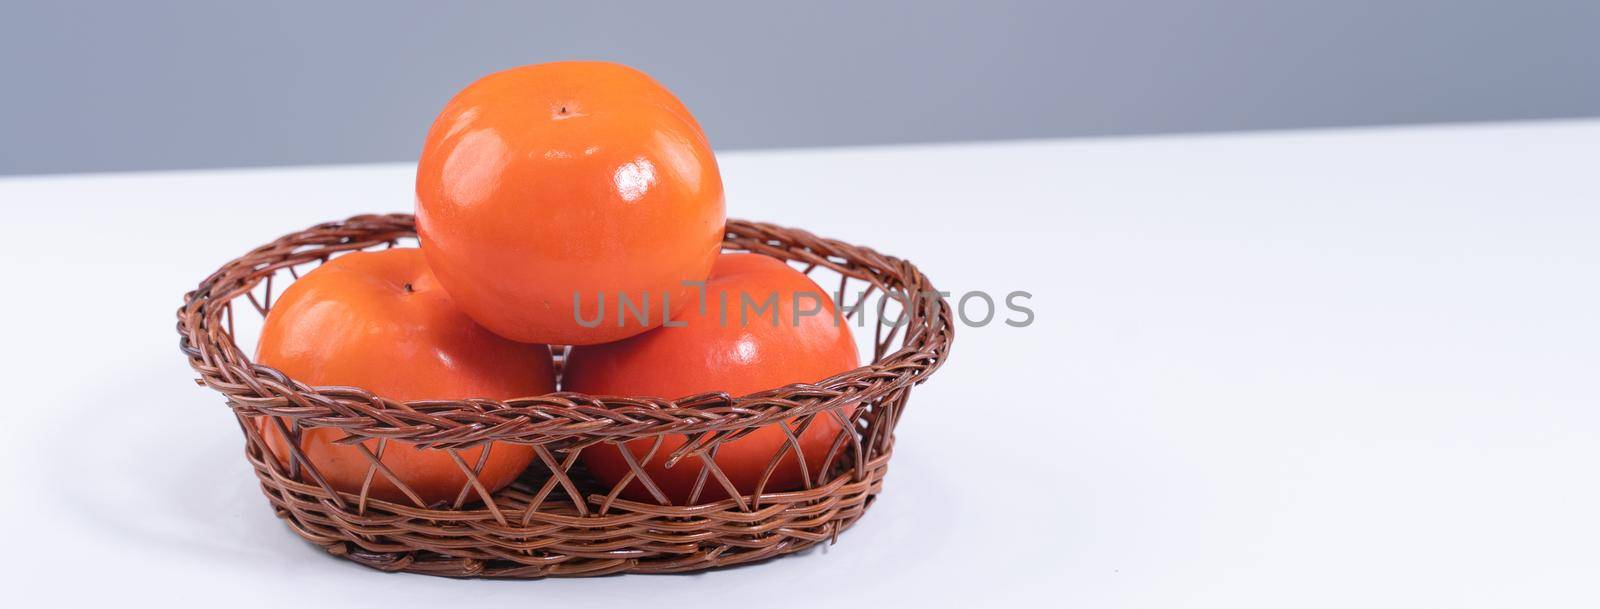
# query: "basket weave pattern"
[[556, 520]]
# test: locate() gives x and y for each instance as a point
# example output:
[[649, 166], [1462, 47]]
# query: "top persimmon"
[[572, 182]]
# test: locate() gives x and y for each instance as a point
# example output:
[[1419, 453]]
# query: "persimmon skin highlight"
[[381, 322], [545, 184], [740, 356]]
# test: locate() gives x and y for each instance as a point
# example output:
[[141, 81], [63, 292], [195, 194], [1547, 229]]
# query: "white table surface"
[[1333, 368]]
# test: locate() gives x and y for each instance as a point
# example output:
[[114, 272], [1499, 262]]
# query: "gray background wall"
[[158, 85]]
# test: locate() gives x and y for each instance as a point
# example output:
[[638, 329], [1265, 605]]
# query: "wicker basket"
[[555, 520]]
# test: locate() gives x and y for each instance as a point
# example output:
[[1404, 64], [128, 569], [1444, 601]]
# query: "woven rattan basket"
[[556, 520]]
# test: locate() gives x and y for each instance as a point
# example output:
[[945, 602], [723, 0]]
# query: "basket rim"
[[256, 389]]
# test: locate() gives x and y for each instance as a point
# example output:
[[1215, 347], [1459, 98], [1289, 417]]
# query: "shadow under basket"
[[555, 520]]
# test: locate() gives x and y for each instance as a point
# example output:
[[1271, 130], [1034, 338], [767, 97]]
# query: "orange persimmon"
[[548, 192], [725, 345], [380, 321]]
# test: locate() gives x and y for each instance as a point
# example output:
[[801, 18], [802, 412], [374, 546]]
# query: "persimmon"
[[381, 322], [788, 333], [548, 193]]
